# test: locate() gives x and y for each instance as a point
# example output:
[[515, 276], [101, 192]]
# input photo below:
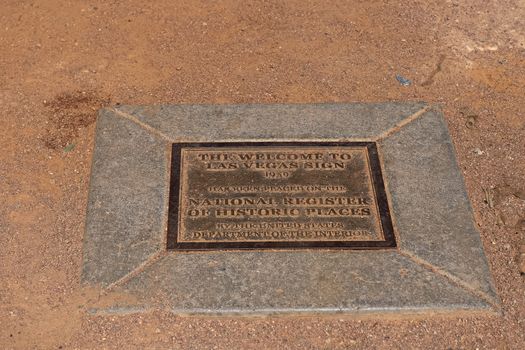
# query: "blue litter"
[[403, 81]]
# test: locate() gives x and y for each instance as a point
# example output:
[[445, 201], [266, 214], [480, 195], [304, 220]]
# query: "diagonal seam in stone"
[[403, 122], [152, 259], [455, 280], [142, 125]]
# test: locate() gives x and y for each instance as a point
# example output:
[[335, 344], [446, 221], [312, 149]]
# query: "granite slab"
[[437, 265]]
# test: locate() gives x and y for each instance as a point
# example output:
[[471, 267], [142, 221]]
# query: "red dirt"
[[61, 61]]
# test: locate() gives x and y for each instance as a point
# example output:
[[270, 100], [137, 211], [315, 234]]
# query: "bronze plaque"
[[277, 195]]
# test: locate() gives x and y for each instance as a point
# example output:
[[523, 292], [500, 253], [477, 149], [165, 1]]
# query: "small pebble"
[[478, 151], [403, 81]]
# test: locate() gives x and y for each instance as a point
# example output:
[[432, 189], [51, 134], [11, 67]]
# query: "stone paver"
[[438, 265]]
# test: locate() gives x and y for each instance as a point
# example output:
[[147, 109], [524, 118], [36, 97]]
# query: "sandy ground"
[[61, 61]]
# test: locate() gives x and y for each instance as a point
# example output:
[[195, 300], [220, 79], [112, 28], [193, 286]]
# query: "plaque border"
[[385, 217]]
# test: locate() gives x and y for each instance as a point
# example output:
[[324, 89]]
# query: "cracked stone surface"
[[438, 266]]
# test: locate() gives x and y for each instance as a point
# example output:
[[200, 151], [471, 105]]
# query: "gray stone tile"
[[298, 282], [431, 208], [124, 224], [438, 266], [200, 123]]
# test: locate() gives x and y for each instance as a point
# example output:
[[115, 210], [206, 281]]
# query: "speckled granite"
[[439, 265]]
